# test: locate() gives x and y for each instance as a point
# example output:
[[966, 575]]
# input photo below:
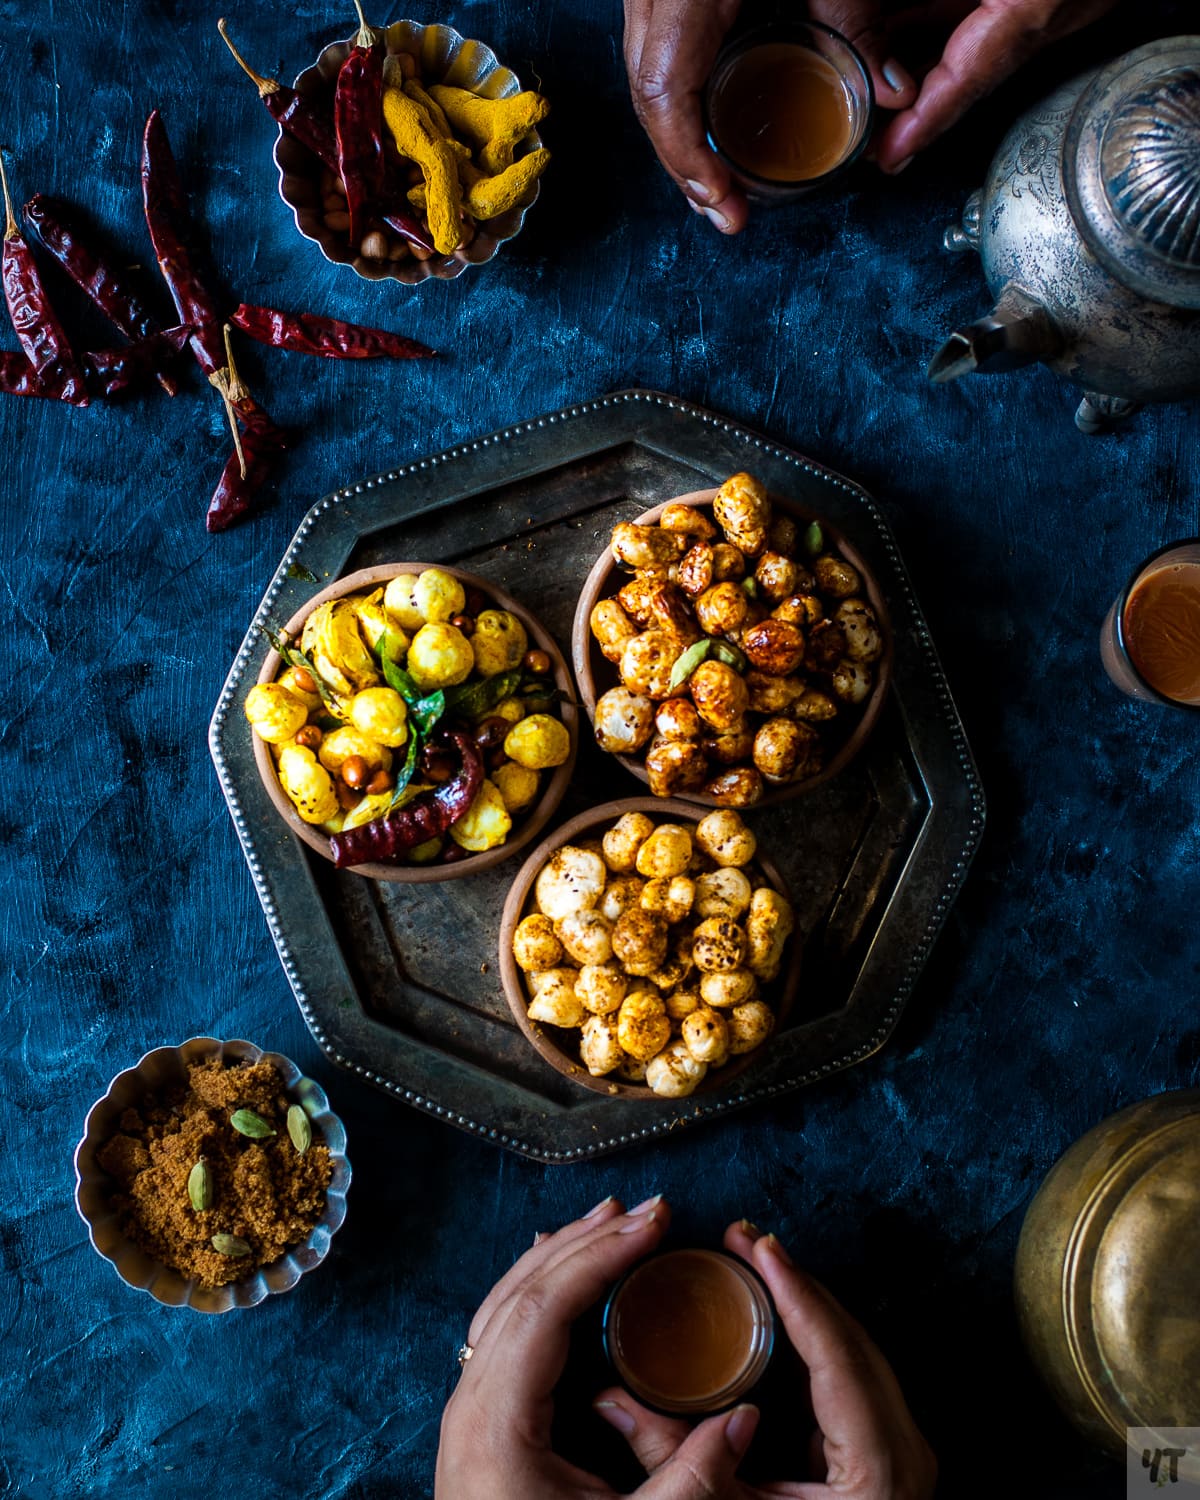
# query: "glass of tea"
[[1150, 639], [788, 107], [690, 1332]]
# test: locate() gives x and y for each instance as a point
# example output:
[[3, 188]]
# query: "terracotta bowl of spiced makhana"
[[559, 1047], [595, 675], [554, 781]]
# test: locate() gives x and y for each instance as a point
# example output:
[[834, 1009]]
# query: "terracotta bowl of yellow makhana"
[[524, 783]]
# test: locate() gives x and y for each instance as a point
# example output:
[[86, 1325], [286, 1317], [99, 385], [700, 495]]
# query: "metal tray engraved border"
[[639, 440]]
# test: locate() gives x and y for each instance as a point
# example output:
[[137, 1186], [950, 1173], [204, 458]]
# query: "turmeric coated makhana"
[[262, 1192]]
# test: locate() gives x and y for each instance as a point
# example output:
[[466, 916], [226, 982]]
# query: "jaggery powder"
[[266, 1193]]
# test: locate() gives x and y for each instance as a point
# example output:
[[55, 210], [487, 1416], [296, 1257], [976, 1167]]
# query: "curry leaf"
[[730, 655], [296, 658], [471, 700]]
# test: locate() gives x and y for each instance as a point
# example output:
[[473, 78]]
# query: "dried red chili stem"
[[65, 237], [115, 370], [167, 219], [41, 335], [294, 113], [262, 445], [358, 126], [428, 816], [234, 393], [19, 378], [309, 333]]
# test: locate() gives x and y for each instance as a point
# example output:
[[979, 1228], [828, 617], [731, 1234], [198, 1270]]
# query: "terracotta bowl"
[[550, 1041], [555, 786], [595, 674], [446, 57], [161, 1069]]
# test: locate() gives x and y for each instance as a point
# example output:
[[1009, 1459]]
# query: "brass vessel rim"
[[1081, 1339]]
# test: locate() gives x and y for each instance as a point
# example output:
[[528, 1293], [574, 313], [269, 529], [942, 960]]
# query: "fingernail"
[[741, 1427], [697, 190], [776, 1248], [696, 208], [642, 1221], [897, 75], [752, 1231], [648, 1203], [899, 167], [604, 1202], [715, 216], [617, 1416], [538, 1237]]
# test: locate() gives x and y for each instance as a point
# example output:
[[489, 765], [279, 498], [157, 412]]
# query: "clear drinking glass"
[[666, 1320], [1159, 664], [750, 103]]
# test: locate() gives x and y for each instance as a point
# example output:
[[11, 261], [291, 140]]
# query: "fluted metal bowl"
[[444, 57], [164, 1068]]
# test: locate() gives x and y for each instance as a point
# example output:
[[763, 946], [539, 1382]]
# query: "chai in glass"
[[788, 107], [689, 1332], [1150, 643]]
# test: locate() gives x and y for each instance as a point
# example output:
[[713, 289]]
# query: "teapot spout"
[[1019, 331]]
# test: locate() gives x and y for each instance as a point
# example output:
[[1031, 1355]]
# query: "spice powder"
[[264, 1192]]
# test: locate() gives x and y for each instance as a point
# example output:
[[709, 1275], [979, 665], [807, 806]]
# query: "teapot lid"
[[1132, 165]]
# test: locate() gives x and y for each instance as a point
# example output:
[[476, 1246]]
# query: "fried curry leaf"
[[296, 658], [425, 712], [472, 700]]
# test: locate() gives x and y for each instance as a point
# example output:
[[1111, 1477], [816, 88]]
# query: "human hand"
[[988, 41], [671, 46], [495, 1440], [867, 1446]]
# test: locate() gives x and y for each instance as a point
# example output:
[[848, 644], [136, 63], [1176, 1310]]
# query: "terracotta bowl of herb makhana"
[[648, 952], [414, 723], [732, 648]]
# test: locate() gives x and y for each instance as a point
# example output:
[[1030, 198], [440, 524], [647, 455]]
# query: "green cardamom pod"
[[688, 662], [200, 1186], [814, 539], [728, 653], [299, 1128], [246, 1122], [229, 1244]]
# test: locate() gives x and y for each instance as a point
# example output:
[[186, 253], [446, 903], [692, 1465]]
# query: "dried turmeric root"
[[432, 108], [492, 196], [492, 126], [417, 138]]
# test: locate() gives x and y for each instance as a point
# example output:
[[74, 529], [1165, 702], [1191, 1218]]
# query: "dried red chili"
[[262, 443], [115, 370], [295, 114], [64, 236], [308, 333], [167, 220], [33, 317], [428, 816], [18, 377], [358, 125], [298, 117]]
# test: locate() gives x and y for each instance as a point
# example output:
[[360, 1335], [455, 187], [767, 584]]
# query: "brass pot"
[[1108, 1270]]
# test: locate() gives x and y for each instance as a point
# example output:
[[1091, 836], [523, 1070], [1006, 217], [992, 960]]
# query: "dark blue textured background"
[[1063, 987]]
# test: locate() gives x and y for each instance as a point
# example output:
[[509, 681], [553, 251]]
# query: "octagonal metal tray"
[[400, 983]]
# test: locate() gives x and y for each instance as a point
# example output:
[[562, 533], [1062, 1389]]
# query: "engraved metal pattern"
[[1151, 166]]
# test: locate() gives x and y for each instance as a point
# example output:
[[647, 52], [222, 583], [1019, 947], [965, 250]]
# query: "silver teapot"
[[1089, 231]]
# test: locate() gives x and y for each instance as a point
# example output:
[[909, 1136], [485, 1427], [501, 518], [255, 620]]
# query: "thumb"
[[704, 1466]]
